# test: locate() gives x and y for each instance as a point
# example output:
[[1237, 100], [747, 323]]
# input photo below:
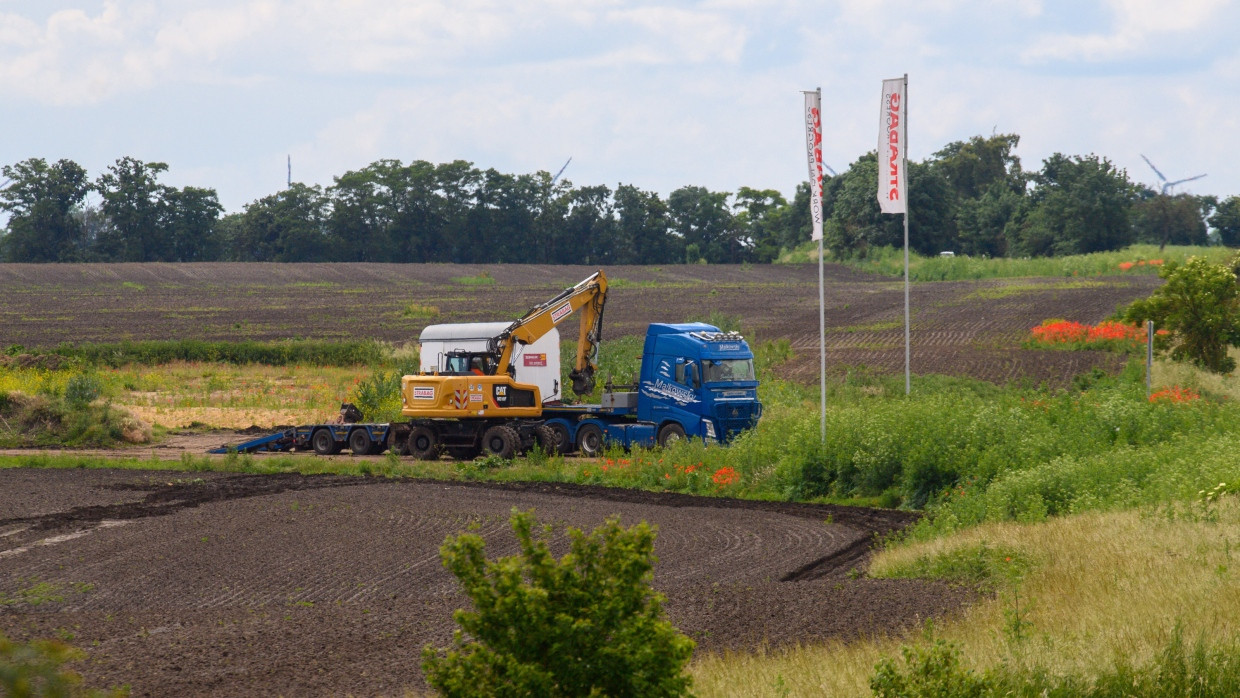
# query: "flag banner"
[[813, 146], [893, 148]]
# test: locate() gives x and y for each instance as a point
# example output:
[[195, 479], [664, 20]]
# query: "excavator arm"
[[588, 297]]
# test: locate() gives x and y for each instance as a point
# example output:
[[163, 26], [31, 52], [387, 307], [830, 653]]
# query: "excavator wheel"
[[324, 443], [501, 441], [547, 439], [563, 445], [360, 442], [422, 443], [590, 440]]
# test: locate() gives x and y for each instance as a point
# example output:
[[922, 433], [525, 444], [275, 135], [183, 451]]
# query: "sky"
[[654, 94]]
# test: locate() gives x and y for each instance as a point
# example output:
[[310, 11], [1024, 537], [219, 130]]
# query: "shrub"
[[586, 624], [82, 389], [1200, 305], [931, 672], [37, 669]]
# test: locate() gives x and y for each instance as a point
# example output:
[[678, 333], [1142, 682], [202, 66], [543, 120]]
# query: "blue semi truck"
[[696, 382]]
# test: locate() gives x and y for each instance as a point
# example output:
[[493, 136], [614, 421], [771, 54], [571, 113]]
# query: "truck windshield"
[[728, 370]]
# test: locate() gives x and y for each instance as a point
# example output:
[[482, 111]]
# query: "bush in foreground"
[[586, 624]]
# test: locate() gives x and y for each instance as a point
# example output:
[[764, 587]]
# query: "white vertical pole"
[[908, 379], [822, 347], [1149, 358]]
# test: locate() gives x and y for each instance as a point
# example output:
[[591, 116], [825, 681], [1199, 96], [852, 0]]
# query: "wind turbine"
[[1166, 186], [556, 178], [827, 167], [6, 184]]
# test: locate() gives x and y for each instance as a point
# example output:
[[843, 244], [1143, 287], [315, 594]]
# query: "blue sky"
[[654, 94]]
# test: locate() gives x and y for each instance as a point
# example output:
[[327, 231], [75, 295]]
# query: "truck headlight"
[[710, 429]]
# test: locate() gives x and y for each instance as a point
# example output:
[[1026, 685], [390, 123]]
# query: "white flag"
[[813, 146], [893, 147]]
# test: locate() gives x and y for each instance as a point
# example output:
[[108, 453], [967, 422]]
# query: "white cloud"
[[1137, 22]]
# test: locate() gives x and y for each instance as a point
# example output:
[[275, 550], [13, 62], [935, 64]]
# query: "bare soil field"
[[966, 328], [224, 584]]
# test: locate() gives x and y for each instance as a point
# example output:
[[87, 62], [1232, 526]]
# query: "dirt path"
[[213, 583]]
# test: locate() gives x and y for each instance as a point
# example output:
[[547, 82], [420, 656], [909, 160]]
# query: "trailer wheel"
[[563, 445], [324, 442], [547, 439], [422, 443], [501, 441], [671, 434], [590, 440], [360, 442]]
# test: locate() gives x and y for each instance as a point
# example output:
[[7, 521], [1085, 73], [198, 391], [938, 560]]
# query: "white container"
[[537, 363]]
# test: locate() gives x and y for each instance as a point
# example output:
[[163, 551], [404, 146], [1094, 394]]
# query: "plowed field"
[[219, 584], [972, 328]]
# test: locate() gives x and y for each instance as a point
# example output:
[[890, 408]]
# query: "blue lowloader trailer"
[[324, 439]]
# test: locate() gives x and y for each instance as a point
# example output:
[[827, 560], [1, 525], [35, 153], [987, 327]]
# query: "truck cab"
[[697, 381]]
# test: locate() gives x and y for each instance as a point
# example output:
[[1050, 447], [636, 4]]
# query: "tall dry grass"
[[1087, 590]]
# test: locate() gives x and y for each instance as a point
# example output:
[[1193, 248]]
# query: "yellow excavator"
[[477, 406]]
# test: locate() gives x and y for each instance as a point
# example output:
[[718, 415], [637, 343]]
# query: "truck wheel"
[[360, 442], [670, 434], [562, 444], [547, 440], [324, 443], [422, 443], [590, 440], [463, 453], [501, 441]]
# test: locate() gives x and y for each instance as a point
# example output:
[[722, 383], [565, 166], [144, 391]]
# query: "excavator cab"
[[462, 363]]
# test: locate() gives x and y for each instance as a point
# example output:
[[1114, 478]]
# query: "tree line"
[[971, 197]]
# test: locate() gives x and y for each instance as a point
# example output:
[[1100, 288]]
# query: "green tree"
[[972, 167], [1162, 219], [703, 219], [761, 218], [1200, 305], [855, 223], [135, 204], [41, 202], [643, 224], [1079, 205], [587, 624], [285, 227], [981, 223], [1226, 220], [192, 216]]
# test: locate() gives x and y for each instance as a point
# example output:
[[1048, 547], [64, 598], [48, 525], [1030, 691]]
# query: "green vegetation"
[[585, 624], [479, 279], [71, 418], [935, 671], [1200, 305], [30, 670], [971, 197], [419, 310], [889, 261], [286, 353]]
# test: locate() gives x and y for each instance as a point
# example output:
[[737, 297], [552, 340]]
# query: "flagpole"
[[822, 329], [908, 380]]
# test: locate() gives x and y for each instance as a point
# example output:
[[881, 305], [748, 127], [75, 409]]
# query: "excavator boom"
[[589, 296]]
